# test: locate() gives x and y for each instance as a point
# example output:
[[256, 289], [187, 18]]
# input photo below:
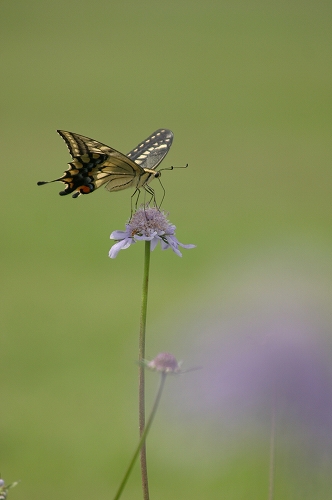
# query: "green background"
[[246, 89]]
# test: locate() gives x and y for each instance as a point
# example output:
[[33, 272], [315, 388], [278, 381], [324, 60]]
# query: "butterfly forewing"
[[149, 153], [95, 163], [79, 144]]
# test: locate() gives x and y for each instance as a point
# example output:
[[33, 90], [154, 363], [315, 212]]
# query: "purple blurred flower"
[[164, 362], [147, 224], [249, 371]]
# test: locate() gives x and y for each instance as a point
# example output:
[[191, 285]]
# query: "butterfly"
[[95, 164]]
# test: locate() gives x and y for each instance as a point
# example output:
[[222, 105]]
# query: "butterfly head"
[[157, 174]]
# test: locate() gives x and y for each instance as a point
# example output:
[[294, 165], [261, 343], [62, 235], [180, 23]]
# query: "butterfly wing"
[[149, 153], [118, 172], [79, 144], [95, 164]]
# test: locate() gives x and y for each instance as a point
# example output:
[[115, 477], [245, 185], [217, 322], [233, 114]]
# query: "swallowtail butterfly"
[[95, 164]]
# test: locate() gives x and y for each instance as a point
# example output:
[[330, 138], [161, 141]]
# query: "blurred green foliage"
[[246, 89]]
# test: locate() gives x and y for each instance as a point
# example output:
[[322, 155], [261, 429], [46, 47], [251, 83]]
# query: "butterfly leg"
[[136, 192], [149, 190], [164, 193]]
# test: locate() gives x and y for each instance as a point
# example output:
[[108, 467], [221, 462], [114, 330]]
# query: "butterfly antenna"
[[172, 167]]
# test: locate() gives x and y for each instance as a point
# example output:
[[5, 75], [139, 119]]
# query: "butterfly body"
[[94, 164]]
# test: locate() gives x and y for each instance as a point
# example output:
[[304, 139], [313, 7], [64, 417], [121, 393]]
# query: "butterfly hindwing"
[[119, 172], [81, 175]]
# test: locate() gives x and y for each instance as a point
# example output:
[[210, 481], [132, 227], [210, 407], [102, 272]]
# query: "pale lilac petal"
[[174, 243], [187, 246], [154, 243], [119, 235], [120, 245], [177, 251], [164, 245], [145, 237], [172, 240]]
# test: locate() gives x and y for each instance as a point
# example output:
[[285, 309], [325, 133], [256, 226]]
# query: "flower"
[[164, 362], [148, 224], [4, 489]]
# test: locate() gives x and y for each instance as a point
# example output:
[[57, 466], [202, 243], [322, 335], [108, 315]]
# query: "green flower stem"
[[272, 449], [143, 436], [141, 374]]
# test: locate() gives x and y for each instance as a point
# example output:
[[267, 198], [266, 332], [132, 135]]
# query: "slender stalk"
[[143, 436], [272, 449], [141, 374]]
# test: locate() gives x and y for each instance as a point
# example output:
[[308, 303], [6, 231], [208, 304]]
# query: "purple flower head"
[[147, 224], [164, 362]]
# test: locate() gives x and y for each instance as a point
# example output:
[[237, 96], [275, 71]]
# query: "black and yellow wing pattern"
[[94, 164]]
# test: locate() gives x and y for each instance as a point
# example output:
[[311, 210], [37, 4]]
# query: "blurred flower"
[[164, 362], [267, 345], [4, 489], [147, 224]]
